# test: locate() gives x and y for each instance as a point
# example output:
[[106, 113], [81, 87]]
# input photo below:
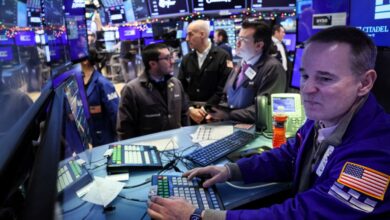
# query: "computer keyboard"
[[127, 157], [191, 190], [214, 151]]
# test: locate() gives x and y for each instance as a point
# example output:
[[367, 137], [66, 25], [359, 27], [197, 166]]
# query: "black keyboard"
[[168, 185], [127, 157], [214, 151]]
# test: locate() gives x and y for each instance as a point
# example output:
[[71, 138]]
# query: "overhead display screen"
[[216, 5], [167, 7]]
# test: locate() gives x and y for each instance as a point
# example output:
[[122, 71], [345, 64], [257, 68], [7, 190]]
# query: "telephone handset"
[[279, 103]]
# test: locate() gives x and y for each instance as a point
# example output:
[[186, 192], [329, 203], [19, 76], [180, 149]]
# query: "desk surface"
[[232, 197]]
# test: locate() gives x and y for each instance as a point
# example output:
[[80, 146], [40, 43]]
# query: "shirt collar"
[[252, 60], [205, 52]]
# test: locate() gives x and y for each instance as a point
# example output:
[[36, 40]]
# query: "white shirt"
[[202, 56], [280, 47], [252, 60]]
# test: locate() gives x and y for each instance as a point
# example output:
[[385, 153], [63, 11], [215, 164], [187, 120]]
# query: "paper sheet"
[[161, 144], [211, 132], [103, 191]]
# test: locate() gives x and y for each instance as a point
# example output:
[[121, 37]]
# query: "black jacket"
[[205, 84], [143, 110]]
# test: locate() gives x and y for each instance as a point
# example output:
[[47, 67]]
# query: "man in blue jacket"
[[103, 102], [339, 160]]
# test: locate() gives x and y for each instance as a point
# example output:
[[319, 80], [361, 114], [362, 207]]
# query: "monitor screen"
[[129, 33], [25, 38], [206, 5], [272, 3], [111, 3], [160, 8], [68, 78], [109, 36], [6, 53], [53, 13], [8, 15], [129, 12], [5, 38], [148, 32], [116, 14], [290, 41], [283, 105], [34, 17], [289, 24], [296, 74], [228, 26], [76, 29], [372, 17], [140, 9], [184, 48]]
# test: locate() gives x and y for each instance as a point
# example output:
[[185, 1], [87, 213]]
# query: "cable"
[[249, 187], [144, 215], [89, 212], [132, 199], [74, 208], [138, 185]]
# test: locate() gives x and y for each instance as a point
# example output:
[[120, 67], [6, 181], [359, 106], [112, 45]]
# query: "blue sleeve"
[[280, 160], [110, 100]]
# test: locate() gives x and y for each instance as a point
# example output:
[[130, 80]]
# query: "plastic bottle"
[[279, 130]]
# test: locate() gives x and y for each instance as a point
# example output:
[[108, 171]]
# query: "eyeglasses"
[[170, 57], [243, 39]]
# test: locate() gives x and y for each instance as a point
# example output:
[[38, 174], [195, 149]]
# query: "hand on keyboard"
[[218, 174], [169, 208]]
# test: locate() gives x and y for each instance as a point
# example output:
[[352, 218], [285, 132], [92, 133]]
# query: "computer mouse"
[[253, 151]]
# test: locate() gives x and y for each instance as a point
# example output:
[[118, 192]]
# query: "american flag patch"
[[365, 180]]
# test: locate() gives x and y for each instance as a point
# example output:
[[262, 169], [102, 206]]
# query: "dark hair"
[[262, 33], [151, 53], [93, 56], [363, 49], [276, 28], [222, 32]]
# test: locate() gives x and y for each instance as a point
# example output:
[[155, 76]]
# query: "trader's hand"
[[197, 114], [218, 174], [172, 208], [217, 115]]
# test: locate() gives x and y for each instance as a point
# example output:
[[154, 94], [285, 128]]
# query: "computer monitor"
[[210, 6], [53, 14], [164, 31], [184, 48], [76, 29], [228, 26], [372, 17], [147, 32], [34, 11], [128, 33], [5, 39], [6, 53], [8, 15], [69, 79], [109, 35], [168, 8], [140, 9], [296, 74], [256, 4], [289, 24], [25, 38], [129, 11], [290, 40]]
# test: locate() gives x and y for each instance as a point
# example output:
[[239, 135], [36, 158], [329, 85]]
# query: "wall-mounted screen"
[[272, 3], [296, 74], [290, 41], [170, 7], [128, 33], [217, 5], [25, 38], [372, 17], [5, 38], [140, 9], [148, 32], [6, 53]]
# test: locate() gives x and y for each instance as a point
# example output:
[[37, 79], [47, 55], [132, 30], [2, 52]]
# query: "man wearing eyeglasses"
[[203, 72], [258, 74], [155, 101]]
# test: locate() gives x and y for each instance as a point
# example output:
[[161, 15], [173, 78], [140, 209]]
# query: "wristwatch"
[[197, 215]]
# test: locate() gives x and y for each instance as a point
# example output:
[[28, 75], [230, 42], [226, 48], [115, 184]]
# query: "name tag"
[[176, 95], [250, 73], [324, 161], [95, 109]]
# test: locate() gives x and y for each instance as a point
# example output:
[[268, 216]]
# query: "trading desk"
[[129, 209]]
